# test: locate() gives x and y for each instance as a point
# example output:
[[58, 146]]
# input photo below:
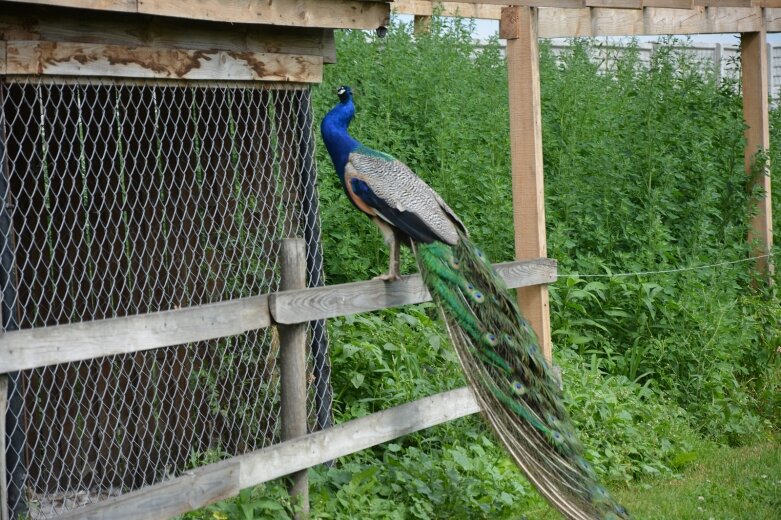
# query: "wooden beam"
[[32, 348], [292, 367], [329, 14], [754, 71], [207, 484], [80, 59], [26, 22], [332, 14], [519, 27], [616, 4], [125, 6], [570, 19], [3, 467], [341, 300], [426, 8], [43, 346]]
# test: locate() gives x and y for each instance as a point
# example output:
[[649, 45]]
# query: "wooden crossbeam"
[[335, 14], [657, 17], [31, 348], [208, 484]]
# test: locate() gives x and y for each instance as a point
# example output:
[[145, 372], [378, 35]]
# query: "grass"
[[724, 484]]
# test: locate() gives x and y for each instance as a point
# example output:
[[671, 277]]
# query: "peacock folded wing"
[[383, 186]]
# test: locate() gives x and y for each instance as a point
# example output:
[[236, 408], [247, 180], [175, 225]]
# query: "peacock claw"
[[388, 277]]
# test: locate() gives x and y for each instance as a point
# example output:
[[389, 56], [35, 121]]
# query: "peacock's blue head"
[[345, 93], [334, 129]]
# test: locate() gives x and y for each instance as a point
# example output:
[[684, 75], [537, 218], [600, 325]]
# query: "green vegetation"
[[665, 374]]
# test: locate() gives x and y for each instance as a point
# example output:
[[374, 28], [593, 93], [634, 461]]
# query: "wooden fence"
[[38, 347]]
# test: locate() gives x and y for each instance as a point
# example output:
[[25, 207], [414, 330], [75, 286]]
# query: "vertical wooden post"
[[421, 24], [3, 481], [754, 74], [519, 26], [292, 352]]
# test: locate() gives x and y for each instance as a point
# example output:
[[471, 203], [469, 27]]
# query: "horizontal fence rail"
[[38, 347], [213, 482]]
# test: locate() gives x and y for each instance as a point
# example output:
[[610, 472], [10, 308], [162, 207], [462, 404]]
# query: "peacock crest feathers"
[[512, 381]]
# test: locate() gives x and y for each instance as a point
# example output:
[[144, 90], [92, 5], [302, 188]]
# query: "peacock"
[[498, 350]]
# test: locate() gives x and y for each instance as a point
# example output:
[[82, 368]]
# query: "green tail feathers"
[[514, 384]]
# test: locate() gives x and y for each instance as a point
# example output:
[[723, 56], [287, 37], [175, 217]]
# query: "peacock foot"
[[388, 277]]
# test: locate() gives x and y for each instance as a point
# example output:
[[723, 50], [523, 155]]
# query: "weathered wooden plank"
[[616, 4], [523, 77], [3, 467], [292, 366], [670, 4], [79, 59], [335, 14], [30, 348], [341, 300], [126, 6], [426, 8], [26, 22], [754, 70], [555, 22], [173, 497], [208, 484], [656, 17], [2, 58], [772, 20], [356, 435]]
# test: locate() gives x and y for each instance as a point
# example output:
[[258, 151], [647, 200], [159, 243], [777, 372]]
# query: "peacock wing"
[[392, 191]]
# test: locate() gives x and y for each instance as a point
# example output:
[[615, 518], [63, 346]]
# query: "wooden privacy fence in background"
[[40, 347]]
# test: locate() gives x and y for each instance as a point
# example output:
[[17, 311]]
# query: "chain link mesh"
[[127, 198]]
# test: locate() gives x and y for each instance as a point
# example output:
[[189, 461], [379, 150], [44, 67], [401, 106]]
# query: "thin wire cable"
[[664, 271]]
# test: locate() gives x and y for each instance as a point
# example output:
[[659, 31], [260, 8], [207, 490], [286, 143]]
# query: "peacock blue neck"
[[337, 140]]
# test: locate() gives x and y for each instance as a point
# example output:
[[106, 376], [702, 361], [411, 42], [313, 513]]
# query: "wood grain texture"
[[671, 4], [208, 484], [80, 59], [161, 501], [125, 6], [467, 10], [341, 300], [616, 4], [31, 348], [335, 14], [754, 70], [3, 466], [523, 77], [355, 435], [292, 366], [28, 22]]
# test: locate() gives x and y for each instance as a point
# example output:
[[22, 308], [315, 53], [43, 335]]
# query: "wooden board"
[[30, 348], [345, 299], [336, 14], [656, 17], [26, 22], [754, 71], [207, 484], [519, 27], [79, 59]]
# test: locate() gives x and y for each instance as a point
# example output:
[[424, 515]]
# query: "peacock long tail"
[[516, 389]]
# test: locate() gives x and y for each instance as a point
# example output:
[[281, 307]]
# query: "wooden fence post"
[[3, 468], [519, 26], [754, 75], [421, 24], [292, 353]]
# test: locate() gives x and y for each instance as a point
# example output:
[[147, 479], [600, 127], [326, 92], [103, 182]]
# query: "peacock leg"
[[389, 236]]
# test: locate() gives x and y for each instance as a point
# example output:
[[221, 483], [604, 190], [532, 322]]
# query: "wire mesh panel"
[[122, 199]]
